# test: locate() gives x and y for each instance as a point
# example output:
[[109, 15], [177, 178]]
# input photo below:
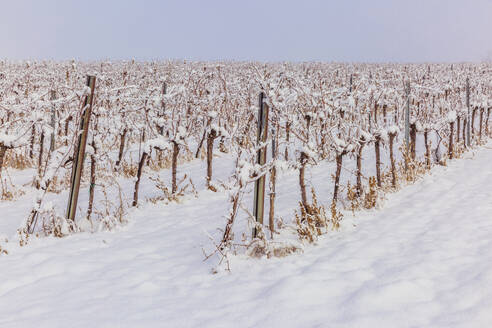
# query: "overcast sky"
[[303, 30]]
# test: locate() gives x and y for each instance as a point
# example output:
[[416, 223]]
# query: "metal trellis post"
[[79, 153], [261, 137]]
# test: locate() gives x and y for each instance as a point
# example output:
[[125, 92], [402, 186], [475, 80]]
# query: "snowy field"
[[245, 164], [420, 261], [163, 237]]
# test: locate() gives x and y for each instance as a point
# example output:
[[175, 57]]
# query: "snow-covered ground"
[[423, 260]]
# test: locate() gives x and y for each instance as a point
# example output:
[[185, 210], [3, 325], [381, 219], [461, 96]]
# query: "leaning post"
[[79, 152]]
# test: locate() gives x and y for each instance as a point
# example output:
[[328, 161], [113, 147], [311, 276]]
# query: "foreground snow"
[[422, 261]]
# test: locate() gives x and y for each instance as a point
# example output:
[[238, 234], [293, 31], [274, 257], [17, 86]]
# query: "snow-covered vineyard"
[[362, 168]]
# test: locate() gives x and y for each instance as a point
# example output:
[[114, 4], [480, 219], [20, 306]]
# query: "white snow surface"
[[423, 260]]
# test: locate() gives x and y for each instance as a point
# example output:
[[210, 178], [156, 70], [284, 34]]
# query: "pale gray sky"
[[350, 30]]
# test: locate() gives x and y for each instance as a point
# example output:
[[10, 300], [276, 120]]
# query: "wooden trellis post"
[[407, 124], [163, 107], [53, 121], [79, 153], [468, 117], [261, 137], [273, 176], [407, 116]]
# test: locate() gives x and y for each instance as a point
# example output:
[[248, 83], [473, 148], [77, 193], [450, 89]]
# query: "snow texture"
[[423, 260]]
